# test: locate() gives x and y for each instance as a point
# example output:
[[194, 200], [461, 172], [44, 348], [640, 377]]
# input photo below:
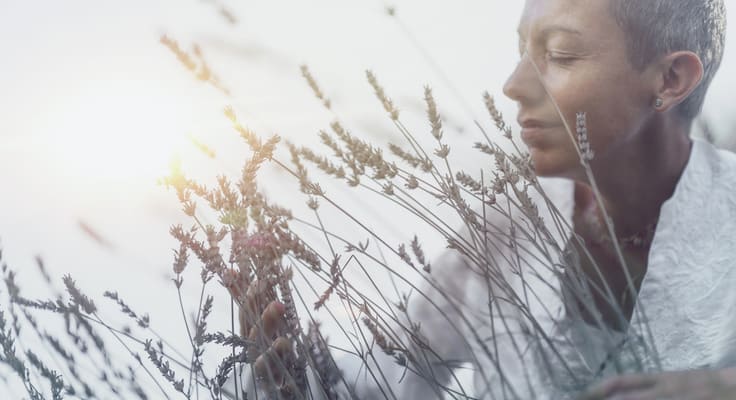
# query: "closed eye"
[[560, 58]]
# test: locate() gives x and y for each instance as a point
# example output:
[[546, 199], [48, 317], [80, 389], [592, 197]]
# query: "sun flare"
[[118, 133]]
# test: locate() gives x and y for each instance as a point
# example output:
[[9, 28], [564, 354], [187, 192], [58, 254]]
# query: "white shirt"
[[688, 297]]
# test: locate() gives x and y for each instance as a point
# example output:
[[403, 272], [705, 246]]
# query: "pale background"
[[92, 109]]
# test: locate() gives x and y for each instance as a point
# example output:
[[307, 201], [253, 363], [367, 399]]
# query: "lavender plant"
[[509, 228], [503, 234]]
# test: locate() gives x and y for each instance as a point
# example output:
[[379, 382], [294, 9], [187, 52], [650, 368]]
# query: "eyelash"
[[549, 56], [562, 60]]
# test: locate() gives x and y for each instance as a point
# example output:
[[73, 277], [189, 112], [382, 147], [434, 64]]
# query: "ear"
[[681, 73]]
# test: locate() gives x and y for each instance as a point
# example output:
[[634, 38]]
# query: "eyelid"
[[560, 58], [560, 54]]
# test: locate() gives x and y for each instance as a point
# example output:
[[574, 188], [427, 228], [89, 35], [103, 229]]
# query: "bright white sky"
[[93, 108]]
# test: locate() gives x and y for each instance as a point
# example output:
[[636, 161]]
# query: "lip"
[[532, 136], [530, 123], [533, 131]]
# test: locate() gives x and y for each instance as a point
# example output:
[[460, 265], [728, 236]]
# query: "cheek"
[[610, 107], [573, 92], [611, 124], [612, 102]]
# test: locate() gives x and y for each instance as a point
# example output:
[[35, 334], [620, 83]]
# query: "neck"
[[636, 178]]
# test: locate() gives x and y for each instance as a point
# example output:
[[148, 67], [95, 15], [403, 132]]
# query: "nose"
[[523, 85]]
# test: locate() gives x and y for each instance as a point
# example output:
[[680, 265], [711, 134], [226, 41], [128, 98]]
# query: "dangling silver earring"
[[658, 103]]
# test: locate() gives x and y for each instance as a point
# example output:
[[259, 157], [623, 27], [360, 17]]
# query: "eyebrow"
[[553, 29]]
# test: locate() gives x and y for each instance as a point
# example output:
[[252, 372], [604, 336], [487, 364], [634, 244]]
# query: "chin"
[[549, 164]]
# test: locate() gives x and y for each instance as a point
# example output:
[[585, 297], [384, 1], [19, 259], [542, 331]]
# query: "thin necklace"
[[638, 240]]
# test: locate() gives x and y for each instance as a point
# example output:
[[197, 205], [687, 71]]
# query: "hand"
[[684, 385], [272, 352]]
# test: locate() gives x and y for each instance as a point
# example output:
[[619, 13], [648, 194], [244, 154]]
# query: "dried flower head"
[[443, 151], [388, 105], [200, 69], [419, 254], [586, 152], [412, 182], [434, 117], [496, 115], [315, 87], [181, 258]]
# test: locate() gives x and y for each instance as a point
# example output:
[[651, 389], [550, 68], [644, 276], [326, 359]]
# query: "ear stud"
[[658, 103]]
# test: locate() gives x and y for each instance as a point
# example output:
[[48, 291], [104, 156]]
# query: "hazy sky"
[[93, 108]]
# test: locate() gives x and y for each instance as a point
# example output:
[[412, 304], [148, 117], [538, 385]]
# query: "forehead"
[[591, 18]]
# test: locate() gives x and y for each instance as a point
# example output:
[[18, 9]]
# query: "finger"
[[283, 349], [646, 394], [630, 396], [252, 328], [253, 304], [254, 350], [259, 294], [245, 323], [269, 368], [288, 389], [263, 332], [273, 319], [251, 297], [618, 385]]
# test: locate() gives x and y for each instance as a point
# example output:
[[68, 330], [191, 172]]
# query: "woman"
[[639, 70]]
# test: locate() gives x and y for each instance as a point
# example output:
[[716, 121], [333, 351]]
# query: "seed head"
[[586, 152], [496, 115], [434, 116], [388, 105], [315, 88]]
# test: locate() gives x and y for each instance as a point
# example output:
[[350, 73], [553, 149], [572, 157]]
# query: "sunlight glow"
[[117, 132]]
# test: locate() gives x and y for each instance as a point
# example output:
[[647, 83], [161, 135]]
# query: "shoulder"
[[718, 165], [702, 211], [713, 176]]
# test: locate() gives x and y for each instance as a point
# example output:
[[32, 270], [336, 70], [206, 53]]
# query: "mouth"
[[533, 132]]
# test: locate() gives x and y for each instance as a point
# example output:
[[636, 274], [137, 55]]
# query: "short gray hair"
[[657, 27]]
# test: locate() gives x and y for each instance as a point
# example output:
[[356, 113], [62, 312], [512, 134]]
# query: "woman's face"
[[580, 54]]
